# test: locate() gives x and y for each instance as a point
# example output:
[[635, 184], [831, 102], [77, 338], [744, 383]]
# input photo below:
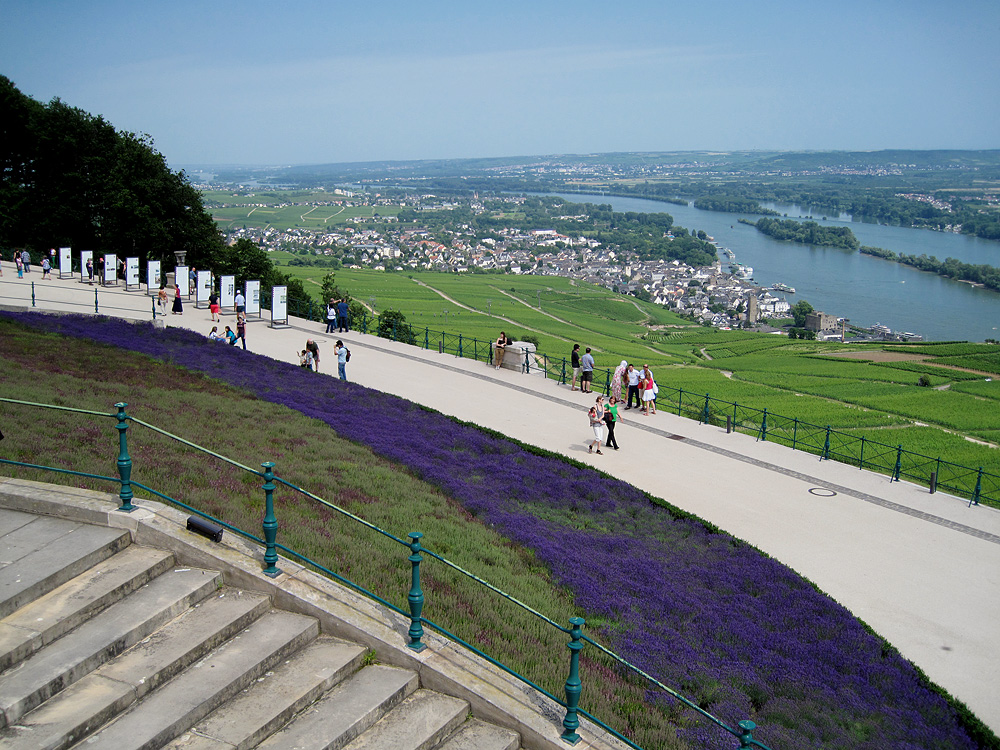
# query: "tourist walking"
[[574, 362], [331, 315], [618, 380], [586, 371], [178, 307], [241, 302], [213, 307], [161, 300], [610, 420], [649, 392], [26, 260], [313, 349], [343, 354], [597, 425], [343, 311], [633, 378], [241, 329], [90, 271], [20, 266]]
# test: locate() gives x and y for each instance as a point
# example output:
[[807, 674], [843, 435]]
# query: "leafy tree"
[[392, 325], [245, 260], [799, 312]]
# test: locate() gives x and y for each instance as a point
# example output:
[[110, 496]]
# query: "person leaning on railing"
[[503, 341]]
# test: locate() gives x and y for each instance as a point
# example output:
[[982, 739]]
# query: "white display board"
[[65, 263], [153, 277], [110, 268], [203, 287], [227, 291], [131, 272], [181, 279], [253, 297], [279, 305], [86, 255]]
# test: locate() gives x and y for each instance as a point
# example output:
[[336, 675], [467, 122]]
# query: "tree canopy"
[[70, 178]]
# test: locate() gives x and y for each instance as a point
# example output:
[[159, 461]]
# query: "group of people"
[[22, 262], [603, 416], [230, 336], [337, 312], [309, 357]]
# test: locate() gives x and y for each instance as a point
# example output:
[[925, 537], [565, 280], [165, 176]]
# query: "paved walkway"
[[923, 570]]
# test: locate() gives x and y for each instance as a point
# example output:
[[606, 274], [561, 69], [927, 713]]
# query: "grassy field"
[[287, 210], [807, 380]]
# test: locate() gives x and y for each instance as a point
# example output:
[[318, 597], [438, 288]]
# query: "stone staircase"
[[109, 644]]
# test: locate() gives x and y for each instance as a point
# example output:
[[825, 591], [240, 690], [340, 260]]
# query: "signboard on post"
[[181, 279], [131, 272], [86, 276], [253, 298], [203, 288], [65, 263], [279, 305], [153, 277], [110, 269], [227, 291]]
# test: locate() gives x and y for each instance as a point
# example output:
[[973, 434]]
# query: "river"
[[862, 288]]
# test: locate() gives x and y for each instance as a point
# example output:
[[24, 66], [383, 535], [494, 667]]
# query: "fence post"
[[826, 445], [795, 431], [33, 293], [95, 301], [899, 464], [427, 338], [152, 301], [124, 461], [746, 733], [763, 427], [933, 482], [563, 380], [573, 685], [270, 524], [459, 345], [416, 595], [475, 349], [979, 488], [705, 414], [861, 463], [607, 383], [527, 361], [680, 399]]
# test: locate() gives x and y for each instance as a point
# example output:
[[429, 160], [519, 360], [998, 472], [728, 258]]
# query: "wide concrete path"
[[923, 570]]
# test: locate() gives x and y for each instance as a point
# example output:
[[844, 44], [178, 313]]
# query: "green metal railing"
[[415, 598], [974, 484]]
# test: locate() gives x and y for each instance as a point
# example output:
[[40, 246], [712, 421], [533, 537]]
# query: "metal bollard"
[[933, 482], [729, 424]]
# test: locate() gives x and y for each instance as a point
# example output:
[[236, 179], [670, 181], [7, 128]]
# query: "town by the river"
[[845, 283]]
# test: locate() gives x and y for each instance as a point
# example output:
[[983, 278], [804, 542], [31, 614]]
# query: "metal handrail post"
[[763, 427], [574, 686], [95, 301], [826, 445], [460, 345], [124, 461], [33, 293], [416, 595], [563, 380], [746, 734], [270, 524], [899, 464], [705, 413], [979, 488], [427, 338]]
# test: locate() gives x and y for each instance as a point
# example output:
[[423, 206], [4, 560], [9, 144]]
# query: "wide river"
[[862, 288]]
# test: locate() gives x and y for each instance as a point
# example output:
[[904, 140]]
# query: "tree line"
[[988, 276], [806, 232]]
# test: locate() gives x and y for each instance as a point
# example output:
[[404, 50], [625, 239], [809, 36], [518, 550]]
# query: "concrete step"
[[478, 735], [418, 723], [94, 700], [273, 699], [100, 639], [43, 553], [42, 621], [346, 711], [193, 694]]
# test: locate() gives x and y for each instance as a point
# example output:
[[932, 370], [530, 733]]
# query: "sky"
[[309, 82]]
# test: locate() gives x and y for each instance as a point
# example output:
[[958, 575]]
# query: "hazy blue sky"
[[218, 81]]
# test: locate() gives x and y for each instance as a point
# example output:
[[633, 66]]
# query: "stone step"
[[177, 706], [94, 700], [42, 621], [478, 735], [418, 723], [346, 711], [43, 553], [100, 639], [273, 699]]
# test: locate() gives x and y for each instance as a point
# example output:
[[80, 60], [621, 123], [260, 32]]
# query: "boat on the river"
[[779, 287]]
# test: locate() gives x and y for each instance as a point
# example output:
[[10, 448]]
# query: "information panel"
[[227, 291], [203, 288], [65, 263], [131, 272], [253, 297], [181, 279], [279, 305], [110, 268], [85, 275], [153, 277]]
